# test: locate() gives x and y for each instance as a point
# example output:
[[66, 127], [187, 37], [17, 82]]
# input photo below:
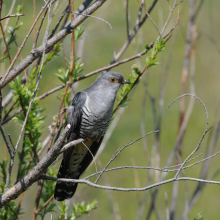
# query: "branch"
[[24, 41], [9, 16], [127, 189], [59, 36], [36, 172]]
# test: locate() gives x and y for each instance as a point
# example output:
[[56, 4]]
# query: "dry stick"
[[169, 16], [192, 81], [58, 22], [165, 169], [2, 131], [16, 216], [11, 153], [34, 16], [38, 30], [25, 71], [51, 92], [44, 205], [36, 172], [186, 58], [10, 16], [206, 129], [6, 45], [198, 190], [155, 25], [138, 25], [118, 152], [114, 209], [1, 2], [127, 19], [182, 104], [24, 41], [128, 189]]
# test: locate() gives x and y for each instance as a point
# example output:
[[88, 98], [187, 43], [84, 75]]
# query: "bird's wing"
[[74, 119]]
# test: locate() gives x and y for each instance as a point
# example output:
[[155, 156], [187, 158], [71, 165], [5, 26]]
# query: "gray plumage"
[[89, 116]]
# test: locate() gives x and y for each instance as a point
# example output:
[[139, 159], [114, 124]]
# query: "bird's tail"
[[65, 190]]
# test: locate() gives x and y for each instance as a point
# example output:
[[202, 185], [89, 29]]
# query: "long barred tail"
[[65, 190]]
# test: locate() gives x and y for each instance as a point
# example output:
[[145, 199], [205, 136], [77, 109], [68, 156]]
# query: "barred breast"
[[91, 124]]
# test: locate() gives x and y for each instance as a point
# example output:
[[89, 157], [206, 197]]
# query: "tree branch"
[[59, 36], [36, 172]]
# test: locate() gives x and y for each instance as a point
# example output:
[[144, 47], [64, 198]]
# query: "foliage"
[[48, 190], [152, 59], [78, 209], [199, 217], [136, 72], [33, 129]]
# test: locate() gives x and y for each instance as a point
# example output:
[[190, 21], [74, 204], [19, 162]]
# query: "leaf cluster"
[[127, 87], [78, 209], [23, 94], [152, 59]]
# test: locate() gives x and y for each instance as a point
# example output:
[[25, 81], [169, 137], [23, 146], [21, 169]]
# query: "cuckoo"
[[89, 116]]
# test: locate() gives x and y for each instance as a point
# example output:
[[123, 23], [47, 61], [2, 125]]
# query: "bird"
[[89, 115]]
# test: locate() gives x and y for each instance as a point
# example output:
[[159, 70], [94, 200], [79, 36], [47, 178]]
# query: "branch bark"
[[37, 171], [59, 36]]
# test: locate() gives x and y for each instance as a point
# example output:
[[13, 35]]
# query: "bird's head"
[[113, 80]]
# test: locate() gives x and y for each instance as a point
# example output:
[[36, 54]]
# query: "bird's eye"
[[112, 79]]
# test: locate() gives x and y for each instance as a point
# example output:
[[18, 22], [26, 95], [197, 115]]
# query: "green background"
[[100, 42]]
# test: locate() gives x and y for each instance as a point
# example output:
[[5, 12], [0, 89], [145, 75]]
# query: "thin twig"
[[23, 43], [148, 14], [6, 45], [119, 151], [127, 18], [129, 189], [10, 16], [16, 216], [44, 205]]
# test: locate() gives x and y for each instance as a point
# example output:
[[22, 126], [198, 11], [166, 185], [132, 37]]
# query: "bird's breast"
[[94, 124]]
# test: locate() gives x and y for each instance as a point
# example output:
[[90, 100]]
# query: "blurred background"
[[145, 112]]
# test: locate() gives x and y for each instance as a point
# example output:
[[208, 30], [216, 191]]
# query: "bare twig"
[[119, 151], [128, 189], [23, 43], [10, 16], [155, 25], [127, 18], [13, 212], [138, 25], [44, 205], [6, 45]]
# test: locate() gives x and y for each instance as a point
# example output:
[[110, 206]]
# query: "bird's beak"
[[125, 82]]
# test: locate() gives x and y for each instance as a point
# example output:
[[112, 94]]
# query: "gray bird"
[[89, 116]]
